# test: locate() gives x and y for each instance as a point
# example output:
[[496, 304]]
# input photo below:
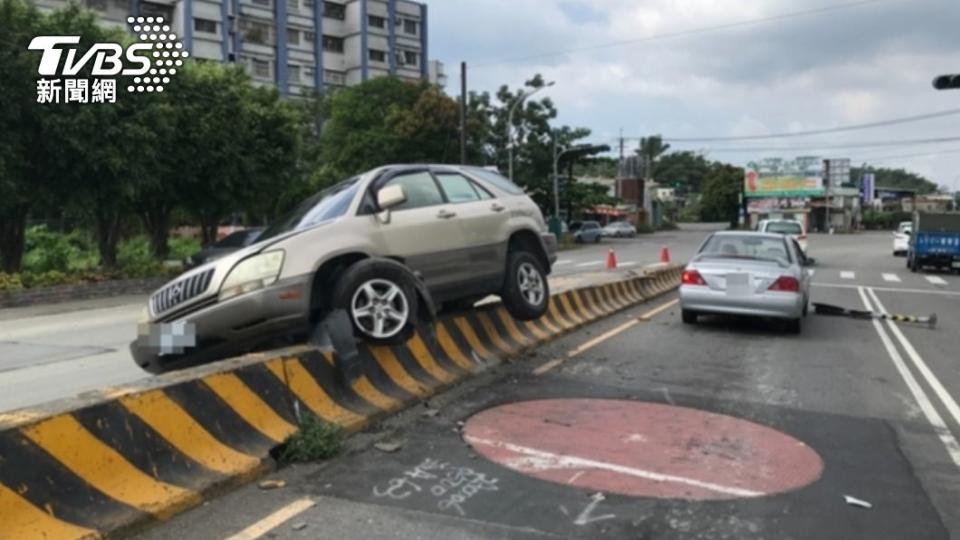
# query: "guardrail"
[[131, 456]]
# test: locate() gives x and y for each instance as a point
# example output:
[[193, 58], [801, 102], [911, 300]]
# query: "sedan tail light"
[[692, 277], [786, 284]]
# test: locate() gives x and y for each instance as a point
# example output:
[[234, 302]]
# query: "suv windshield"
[[329, 204]]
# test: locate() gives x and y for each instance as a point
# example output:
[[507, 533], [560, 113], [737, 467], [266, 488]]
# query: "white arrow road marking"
[[532, 460], [848, 275], [893, 278], [936, 280], [584, 518]]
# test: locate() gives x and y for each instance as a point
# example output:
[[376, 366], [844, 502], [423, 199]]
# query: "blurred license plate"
[[738, 284]]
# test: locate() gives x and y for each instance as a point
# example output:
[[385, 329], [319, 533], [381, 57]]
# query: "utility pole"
[[523, 96], [619, 187], [463, 113]]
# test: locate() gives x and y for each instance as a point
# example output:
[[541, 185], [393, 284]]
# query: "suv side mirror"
[[809, 261], [387, 198]]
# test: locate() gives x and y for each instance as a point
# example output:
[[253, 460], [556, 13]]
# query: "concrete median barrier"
[[127, 457]]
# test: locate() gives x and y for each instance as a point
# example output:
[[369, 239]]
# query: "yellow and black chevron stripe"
[[146, 453]]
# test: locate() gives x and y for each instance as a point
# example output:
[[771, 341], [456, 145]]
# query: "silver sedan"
[[747, 273]]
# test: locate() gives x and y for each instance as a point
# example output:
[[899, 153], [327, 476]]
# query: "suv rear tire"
[[381, 300], [526, 291]]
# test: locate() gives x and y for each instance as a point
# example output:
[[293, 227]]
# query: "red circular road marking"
[[642, 449]]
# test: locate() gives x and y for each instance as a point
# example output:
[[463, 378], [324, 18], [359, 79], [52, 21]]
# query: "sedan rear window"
[[784, 227], [761, 248]]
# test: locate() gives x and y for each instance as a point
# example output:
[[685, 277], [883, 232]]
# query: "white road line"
[[272, 521], [922, 367], [893, 278], [936, 280], [562, 262], [628, 263], [889, 289], [848, 275], [542, 460], [939, 426], [594, 263]]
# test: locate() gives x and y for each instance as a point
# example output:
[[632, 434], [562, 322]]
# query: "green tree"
[[721, 190], [683, 170], [650, 150], [896, 178]]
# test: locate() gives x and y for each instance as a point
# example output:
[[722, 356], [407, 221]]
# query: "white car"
[[901, 238], [788, 227]]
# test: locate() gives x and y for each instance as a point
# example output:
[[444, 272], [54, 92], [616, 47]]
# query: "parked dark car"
[[230, 243]]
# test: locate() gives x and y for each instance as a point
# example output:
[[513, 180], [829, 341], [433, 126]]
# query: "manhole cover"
[[642, 449]]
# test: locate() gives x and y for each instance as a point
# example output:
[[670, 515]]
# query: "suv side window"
[[420, 188], [458, 188]]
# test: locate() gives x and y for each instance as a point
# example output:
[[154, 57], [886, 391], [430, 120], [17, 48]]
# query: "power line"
[[681, 33], [881, 123], [830, 146], [904, 156]]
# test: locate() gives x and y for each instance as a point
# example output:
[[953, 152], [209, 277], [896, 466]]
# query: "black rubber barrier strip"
[[219, 419], [380, 380], [143, 447], [411, 366]]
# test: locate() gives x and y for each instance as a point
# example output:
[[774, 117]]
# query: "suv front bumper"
[[224, 328]]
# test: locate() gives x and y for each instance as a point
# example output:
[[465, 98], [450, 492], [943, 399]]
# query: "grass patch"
[[316, 440]]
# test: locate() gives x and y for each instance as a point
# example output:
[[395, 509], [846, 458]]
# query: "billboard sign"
[[777, 204], [768, 178]]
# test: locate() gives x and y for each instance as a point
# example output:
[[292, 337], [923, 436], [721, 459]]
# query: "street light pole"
[[523, 96]]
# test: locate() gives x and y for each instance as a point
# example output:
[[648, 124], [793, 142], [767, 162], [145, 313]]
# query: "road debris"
[[860, 503], [388, 447], [299, 526], [837, 311], [272, 484]]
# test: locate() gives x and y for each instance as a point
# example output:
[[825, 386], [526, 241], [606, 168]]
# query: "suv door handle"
[[496, 207], [446, 214]]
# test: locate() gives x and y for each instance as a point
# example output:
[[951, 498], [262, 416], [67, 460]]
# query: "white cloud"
[[839, 67]]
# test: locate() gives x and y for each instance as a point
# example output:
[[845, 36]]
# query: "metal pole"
[[556, 181], [463, 113]]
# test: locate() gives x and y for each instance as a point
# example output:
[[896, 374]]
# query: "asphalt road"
[[731, 428]]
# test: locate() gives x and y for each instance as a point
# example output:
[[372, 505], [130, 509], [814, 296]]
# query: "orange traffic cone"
[[611, 260], [664, 254]]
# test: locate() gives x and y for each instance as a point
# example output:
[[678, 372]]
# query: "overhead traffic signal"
[[947, 82]]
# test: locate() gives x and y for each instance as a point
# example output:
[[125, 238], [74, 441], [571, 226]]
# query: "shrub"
[[46, 250], [643, 228], [10, 282], [182, 247], [667, 226], [135, 258], [316, 440], [47, 279]]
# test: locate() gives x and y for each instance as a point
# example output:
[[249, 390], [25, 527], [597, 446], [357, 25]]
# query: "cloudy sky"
[[852, 63]]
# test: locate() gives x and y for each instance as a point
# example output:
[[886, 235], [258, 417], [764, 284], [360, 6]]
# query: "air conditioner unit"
[[401, 58]]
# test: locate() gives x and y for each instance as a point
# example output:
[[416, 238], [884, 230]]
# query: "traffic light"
[[947, 82]]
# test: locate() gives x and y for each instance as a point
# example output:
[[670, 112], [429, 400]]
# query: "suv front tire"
[[381, 300]]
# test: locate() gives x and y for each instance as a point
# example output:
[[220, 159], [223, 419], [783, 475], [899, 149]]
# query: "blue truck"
[[935, 241]]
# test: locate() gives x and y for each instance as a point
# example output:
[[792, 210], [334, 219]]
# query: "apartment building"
[[297, 45]]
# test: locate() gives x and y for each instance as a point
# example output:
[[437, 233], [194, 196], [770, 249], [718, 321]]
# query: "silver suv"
[[384, 248]]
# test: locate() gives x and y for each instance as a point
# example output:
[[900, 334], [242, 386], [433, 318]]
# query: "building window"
[[264, 3], [149, 9], [293, 5], [409, 58], [293, 36], [334, 11], [293, 73], [333, 44], [255, 32], [410, 26], [309, 37], [308, 73], [308, 4], [205, 26], [333, 77], [377, 56], [376, 21], [99, 5], [261, 68]]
